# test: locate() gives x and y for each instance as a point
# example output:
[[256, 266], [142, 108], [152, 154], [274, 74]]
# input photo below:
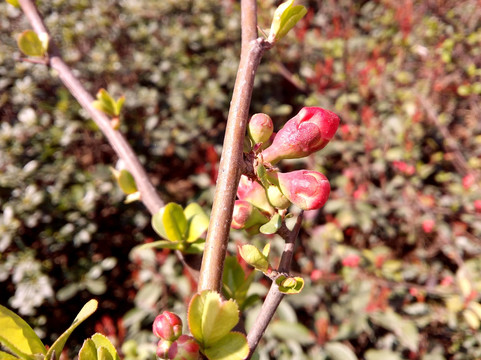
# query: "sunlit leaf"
[[254, 257], [339, 351], [290, 285], [174, 221], [30, 44], [197, 220], [18, 336], [272, 225], [285, 18], [233, 346]]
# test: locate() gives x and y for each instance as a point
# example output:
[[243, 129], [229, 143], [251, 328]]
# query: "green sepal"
[[290, 285], [254, 257], [31, 44], [57, 347], [285, 18], [233, 346], [211, 318], [272, 226], [18, 336]]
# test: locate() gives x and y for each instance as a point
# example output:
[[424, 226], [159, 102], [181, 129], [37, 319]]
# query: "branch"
[[148, 193], [231, 163], [274, 296]]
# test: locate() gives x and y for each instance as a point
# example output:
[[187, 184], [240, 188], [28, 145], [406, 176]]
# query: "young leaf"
[[158, 224], [254, 257], [30, 44], [197, 220], [210, 318], [18, 336], [102, 341], [14, 3], [88, 351], [233, 346], [105, 103], [174, 221], [7, 356], [119, 104], [272, 226], [125, 180], [103, 354], [286, 17], [57, 347], [290, 285]]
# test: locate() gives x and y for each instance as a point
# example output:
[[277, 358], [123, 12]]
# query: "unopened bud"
[[246, 215], [306, 189], [307, 132], [167, 326], [260, 128], [184, 348], [163, 347], [254, 193]]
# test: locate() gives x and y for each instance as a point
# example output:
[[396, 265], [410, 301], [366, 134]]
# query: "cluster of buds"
[[304, 134], [172, 344]]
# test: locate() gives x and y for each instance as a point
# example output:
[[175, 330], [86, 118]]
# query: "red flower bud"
[[254, 193], [260, 128], [305, 188], [246, 215], [163, 347], [307, 132], [184, 348], [167, 326]]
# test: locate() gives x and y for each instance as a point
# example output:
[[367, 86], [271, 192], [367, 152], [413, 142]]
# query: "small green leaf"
[[18, 336], [210, 318], [197, 220], [272, 226], [235, 283], [339, 351], [286, 17], [119, 104], [158, 224], [88, 309], [266, 250], [233, 346], [290, 285], [126, 182], [105, 103], [30, 44], [14, 3], [174, 221], [103, 354], [102, 341], [254, 257], [88, 351]]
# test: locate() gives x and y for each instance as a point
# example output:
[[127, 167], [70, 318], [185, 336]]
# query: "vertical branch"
[[232, 153], [148, 193]]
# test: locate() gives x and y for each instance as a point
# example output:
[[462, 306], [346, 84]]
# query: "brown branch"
[[148, 193], [231, 162], [274, 296]]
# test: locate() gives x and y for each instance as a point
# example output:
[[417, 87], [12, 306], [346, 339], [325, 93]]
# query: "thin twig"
[[274, 296], [232, 154], [149, 195]]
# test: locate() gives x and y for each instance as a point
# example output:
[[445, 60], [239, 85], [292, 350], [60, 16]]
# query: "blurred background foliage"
[[392, 263]]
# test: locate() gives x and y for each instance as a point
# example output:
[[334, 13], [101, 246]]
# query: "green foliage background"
[[405, 77]]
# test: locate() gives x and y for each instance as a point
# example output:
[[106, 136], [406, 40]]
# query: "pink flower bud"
[[307, 132], [307, 189], [254, 193], [163, 347], [260, 128], [184, 348], [351, 261], [246, 215], [167, 326]]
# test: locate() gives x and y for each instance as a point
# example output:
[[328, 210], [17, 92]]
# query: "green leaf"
[[174, 221], [88, 309], [119, 104], [235, 283], [233, 346], [103, 354], [14, 3], [30, 44], [197, 221], [262, 175], [286, 17], [105, 103], [127, 182], [162, 244], [88, 351], [18, 336], [254, 257], [102, 341], [405, 329], [285, 330], [210, 318], [290, 285], [158, 224], [272, 226], [7, 356], [339, 351]]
